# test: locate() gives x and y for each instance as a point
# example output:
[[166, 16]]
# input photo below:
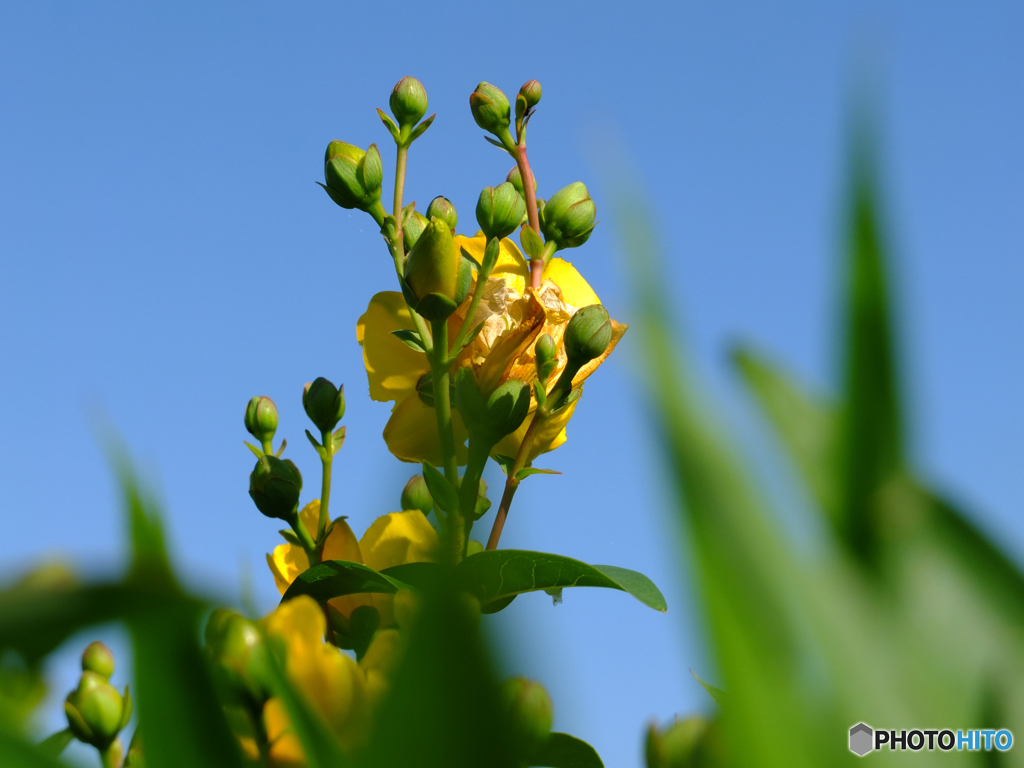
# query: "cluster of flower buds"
[[96, 712]]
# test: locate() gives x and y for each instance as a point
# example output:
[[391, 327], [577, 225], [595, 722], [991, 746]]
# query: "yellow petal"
[[511, 345], [399, 538], [575, 290], [287, 562], [341, 544], [618, 331], [511, 266], [310, 517], [392, 367], [285, 749], [411, 433]]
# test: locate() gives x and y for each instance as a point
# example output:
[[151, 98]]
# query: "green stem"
[[400, 163], [327, 458], [108, 758], [304, 538], [469, 491], [439, 369], [268, 447], [530, 195]]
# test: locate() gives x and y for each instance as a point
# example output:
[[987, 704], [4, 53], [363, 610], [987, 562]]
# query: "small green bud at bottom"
[[587, 335], [416, 495]]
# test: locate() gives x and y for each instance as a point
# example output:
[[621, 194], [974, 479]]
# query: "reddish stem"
[[499, 520]]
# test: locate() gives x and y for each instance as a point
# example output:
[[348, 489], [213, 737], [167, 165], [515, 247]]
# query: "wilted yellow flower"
[[513, 317], [393, 539]]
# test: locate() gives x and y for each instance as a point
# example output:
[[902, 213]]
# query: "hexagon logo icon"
[[861, 739]]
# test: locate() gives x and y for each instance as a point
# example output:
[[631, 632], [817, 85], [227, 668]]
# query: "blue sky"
[[165, 255]]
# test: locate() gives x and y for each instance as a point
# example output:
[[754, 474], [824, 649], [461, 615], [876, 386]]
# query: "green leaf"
[[443, 709], [872, 433], [410, 338], [334, 578], [807, 428], [55, 744], [314, 441], [715, 693], [417, 575], [444, 495], [408, 211], [533, 246], [527, 471], [17, 753], [497, 574], [495, 142], [256, 451], [564, 751], [389, 124], [469, 257], [505, 462], [338, 438], [491, 253], [420, 129]]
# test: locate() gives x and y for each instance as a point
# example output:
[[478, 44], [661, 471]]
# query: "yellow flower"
[[394, 539], [341, 690], [513, 317]]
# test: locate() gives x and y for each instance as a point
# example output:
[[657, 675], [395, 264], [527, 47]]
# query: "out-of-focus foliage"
[[905, 616]]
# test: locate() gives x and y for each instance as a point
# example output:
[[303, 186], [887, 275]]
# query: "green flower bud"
[[98, 658], [413, 228], [569, 216], [236, 647], [353, 176], [442, 208], [531, 92], [490, 108], [500, 210], [96, 711], [687, 742], [416, 495], [432, 271], [546, 352], [587, 335], [516, 180], [324, 403], [529, 710], [408, 101], [490, 417], [274, 486], [261, 418], [115, 752]]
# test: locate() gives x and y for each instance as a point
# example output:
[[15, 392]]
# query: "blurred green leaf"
[[871, 441], [564, 751], [497, 574], [445, 496], [808, 429], [55, 744], [16, 753], [334, 578], [443, 710], [715, 693]]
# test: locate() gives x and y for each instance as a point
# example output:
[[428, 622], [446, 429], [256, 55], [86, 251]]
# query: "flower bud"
[[408, 101], [275, 485], [432, 271], [587, 335], [531, 92], [690, 741], [236, 647], [500, 210], [529, 710], [353, 176], [413, 228], [261, 418], [98, 658], [96, 711], [569, 216], [490, 108], [546, 353], [416, 495], [135, 758], [442, 208], [324, 403], [490, 417], [516, 180]]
